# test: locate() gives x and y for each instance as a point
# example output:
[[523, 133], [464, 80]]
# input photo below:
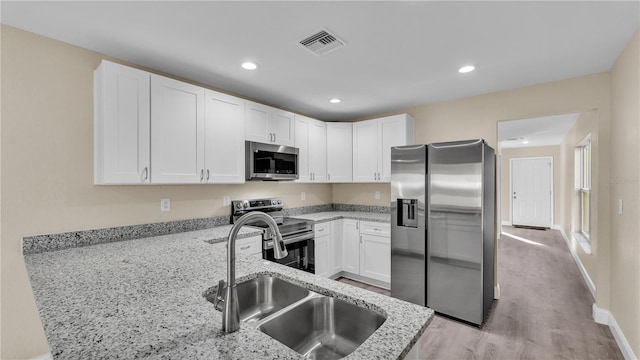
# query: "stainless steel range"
[[297, 234]]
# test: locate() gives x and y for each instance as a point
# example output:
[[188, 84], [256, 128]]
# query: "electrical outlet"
[[377, 195], [226, 201], [303, 196], [165, 205]]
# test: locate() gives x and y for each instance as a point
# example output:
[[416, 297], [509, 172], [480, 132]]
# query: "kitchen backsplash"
[[50, 242]]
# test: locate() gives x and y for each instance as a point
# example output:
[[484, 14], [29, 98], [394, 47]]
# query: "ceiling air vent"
[[322, 42]]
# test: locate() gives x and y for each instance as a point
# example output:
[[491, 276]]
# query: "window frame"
[[584, 186]]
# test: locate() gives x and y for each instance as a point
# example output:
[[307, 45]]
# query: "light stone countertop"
[[144, 299], [353, 215]]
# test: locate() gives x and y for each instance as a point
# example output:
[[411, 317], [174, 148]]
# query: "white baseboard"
[[587, 279], [556, 227], [46, 356], [496, 292], [506, 223], [603, 316]]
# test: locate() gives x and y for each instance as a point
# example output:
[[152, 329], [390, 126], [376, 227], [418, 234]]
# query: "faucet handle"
[[220, 295]]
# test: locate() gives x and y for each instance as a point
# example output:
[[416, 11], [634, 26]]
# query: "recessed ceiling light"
[[335, 100], [466, 69], [525, 141], [249, 65]]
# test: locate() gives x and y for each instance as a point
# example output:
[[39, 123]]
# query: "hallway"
[[544, 311]]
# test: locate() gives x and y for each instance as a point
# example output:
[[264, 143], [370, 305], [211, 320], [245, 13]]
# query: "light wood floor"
[[544, 311]]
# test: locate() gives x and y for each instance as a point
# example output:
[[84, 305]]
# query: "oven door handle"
[[287, 241]]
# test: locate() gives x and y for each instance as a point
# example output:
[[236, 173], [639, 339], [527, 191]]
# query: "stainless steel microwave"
[[270, 162]]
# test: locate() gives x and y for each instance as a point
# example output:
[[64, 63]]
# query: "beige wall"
[[47, 173], [538, 151], [46, 165], [624, 184]]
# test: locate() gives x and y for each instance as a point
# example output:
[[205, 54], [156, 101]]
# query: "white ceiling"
[[541, 131], [398, 54]]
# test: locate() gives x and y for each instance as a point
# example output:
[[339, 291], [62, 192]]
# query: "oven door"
[[300, 253]]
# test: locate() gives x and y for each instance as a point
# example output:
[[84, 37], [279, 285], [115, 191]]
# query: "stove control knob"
[[273, 202], [238, 206], [279, 202], [245, 204]]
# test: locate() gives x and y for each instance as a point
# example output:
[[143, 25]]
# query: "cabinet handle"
[[274, 137], [328, 177], [146, 173], [201, 174], [207, 174], [245, 247], [357, 225], [360, 239], [320, 230]]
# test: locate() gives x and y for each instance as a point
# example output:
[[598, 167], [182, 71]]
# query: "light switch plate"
[[377, 195], [619, 206], [303, 196], [226, 201], [165, 205]]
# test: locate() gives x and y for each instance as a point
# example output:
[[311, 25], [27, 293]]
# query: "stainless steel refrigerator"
[[443, 227]]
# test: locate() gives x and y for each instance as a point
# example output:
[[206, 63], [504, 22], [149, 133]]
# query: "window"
[[584, 186]]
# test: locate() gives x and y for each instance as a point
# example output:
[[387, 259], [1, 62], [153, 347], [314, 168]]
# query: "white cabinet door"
[[177, 132], [224, 138], [322, 252], [335, 247], [257, 122], [372, 142], [302, 131], [318, 151], [269, 125], [351, 246], [375, 257], [121, 125], [365, 151], [310, 139], [281, 124], [339, 152], [394, 130]]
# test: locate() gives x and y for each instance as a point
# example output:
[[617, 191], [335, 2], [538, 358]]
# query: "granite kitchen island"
[[143, 298]]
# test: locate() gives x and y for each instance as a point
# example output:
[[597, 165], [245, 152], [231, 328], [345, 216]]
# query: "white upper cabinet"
[[224, 138], [121, 125], [339, 152], [177, 132], [269, 125], [372, 142], [311, 141]]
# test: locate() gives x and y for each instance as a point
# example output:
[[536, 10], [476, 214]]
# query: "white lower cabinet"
[[351, 246], [367, 250], [322, 251], [375, 257], [249, 247], [336, 248]]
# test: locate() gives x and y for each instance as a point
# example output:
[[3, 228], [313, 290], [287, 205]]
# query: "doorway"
[[532, 191]]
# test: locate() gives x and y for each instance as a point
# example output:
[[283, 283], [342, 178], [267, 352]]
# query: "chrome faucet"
[[231, 311]]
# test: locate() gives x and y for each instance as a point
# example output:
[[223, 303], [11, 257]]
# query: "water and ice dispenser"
[[408, 212]]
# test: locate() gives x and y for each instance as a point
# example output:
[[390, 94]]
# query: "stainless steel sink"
[[314, 325], [323, 327], [263, 296]]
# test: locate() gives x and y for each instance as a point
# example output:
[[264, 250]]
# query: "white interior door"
[[531, 195]]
